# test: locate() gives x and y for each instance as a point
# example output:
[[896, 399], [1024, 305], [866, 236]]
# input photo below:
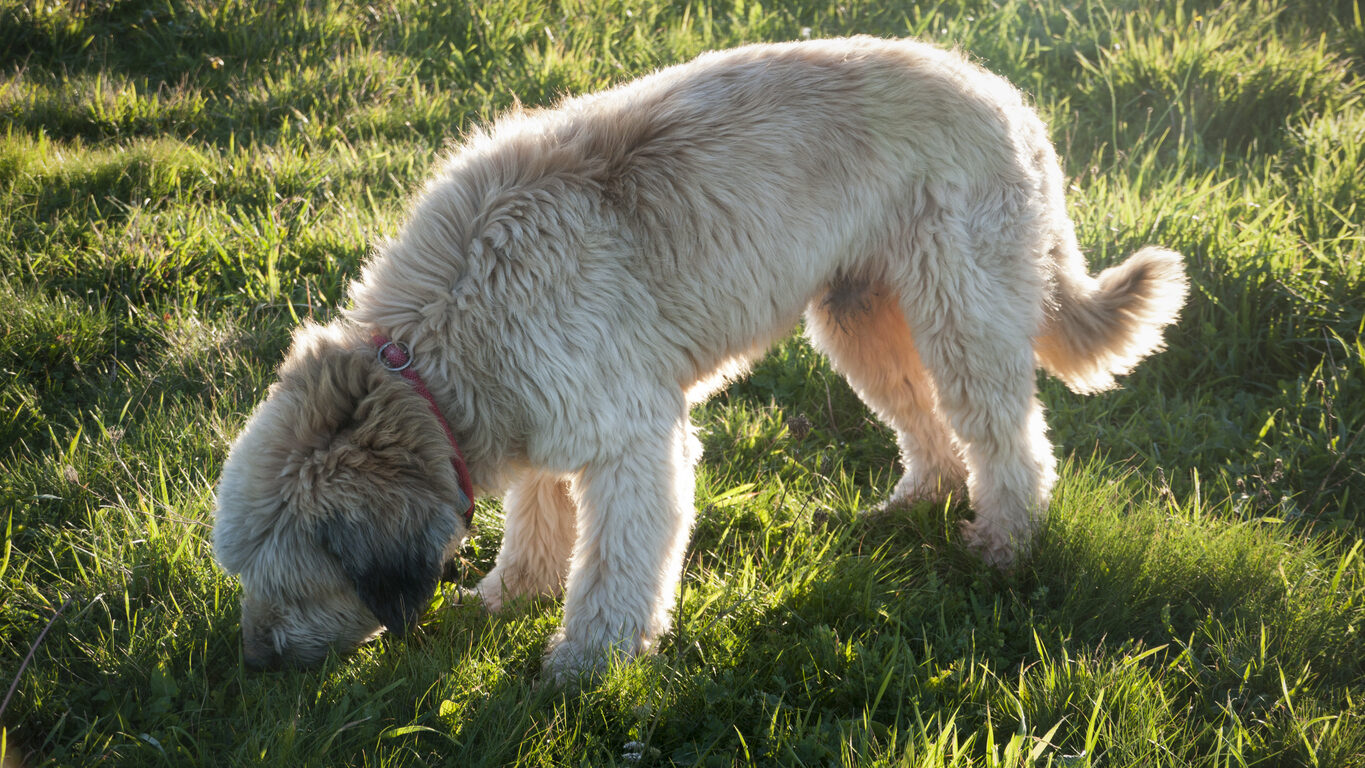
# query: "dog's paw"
[[999, 548], [500, 588], [933, 487], [572, 664], [491, 593], [575, 663]]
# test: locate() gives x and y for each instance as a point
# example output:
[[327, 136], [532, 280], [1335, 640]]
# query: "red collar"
[[394, 356]]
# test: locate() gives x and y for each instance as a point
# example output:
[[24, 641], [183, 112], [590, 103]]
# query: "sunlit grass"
[[181, 181]]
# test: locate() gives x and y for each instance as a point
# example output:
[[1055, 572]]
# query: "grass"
[[182, 180]]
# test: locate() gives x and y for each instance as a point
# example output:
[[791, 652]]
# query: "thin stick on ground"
[[29, 656]]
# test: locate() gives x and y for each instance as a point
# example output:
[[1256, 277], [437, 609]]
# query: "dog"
[[572, 278]]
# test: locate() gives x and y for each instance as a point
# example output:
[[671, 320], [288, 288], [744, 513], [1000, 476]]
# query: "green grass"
[[182, 180]]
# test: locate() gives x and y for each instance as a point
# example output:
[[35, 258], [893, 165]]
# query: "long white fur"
[[571, 279]]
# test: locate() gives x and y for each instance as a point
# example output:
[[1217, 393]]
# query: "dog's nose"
[[261, 659], [452, 572]]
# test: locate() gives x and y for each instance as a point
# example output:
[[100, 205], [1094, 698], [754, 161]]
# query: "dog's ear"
[[372, 477]]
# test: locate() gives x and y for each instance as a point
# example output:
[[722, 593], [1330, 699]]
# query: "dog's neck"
[[396, 357]]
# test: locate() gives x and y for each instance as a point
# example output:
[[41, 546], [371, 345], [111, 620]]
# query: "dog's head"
[[338, 504]]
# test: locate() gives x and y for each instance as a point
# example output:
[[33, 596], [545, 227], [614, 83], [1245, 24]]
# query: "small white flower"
[[635, 751]]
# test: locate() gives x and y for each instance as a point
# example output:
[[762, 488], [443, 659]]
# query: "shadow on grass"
[[893, 632], [815, 637]]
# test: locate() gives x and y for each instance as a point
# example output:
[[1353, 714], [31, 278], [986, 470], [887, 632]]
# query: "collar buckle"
[[395, 356]]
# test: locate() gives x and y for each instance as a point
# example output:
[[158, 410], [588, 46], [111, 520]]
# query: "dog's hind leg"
[[976, 343], [538, 536], [859, 325], [635, 513]]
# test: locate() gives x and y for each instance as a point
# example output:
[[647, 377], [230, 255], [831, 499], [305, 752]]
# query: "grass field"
[[182, 180]]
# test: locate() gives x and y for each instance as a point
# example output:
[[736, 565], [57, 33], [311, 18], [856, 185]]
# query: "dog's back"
[[714, 199]]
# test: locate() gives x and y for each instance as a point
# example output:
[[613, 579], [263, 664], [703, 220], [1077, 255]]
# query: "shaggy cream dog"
[[571, 279]]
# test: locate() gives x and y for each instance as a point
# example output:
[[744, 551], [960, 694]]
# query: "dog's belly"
[[744, 285]]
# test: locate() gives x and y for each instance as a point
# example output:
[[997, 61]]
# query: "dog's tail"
[[1103, 326]]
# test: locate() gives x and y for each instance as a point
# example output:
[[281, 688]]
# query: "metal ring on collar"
[[401, 347]]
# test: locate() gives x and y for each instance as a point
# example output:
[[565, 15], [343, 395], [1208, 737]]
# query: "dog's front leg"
[[635, 511], [537, 537]]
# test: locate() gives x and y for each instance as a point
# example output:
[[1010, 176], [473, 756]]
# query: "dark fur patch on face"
[[394, 576]]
